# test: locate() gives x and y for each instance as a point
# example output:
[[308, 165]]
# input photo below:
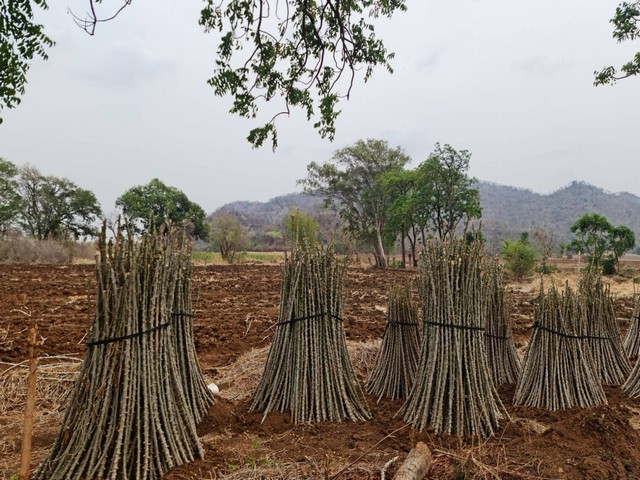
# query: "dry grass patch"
[[239, 380]]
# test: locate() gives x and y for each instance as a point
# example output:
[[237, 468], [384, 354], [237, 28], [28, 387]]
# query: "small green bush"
[[520, 257]]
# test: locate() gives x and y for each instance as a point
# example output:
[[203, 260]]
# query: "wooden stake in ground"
[[559, 372], [503, 360], [128, 415], [27, 429], [397, 361], [308, 370], [453, 390]]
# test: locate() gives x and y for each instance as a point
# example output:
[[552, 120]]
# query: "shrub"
[[228, 236], [520, 257]]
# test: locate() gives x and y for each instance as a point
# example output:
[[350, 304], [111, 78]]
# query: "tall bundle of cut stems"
[[308, 370], [632, 338], [453, 390], [503, 360], [128, 416], [559, 372], [199, 397], [632, 347], [599, 327], [397, 359]]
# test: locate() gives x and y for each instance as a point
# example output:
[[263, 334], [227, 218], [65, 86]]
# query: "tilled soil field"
[[236, 309]]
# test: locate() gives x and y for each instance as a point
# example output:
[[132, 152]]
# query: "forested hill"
[[506, 211]]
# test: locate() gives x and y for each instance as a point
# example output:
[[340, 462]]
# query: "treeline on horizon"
[[364, 199]]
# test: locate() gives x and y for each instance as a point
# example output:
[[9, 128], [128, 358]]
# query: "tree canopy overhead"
[[162, 204], [21, 39], [625, 27], [302, 53]]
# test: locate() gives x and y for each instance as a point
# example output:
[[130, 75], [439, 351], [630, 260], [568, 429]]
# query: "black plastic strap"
[[454, 325], [105, 341], [499, 337], [309, 317], [393, 322], [183, 315], [567, 335]]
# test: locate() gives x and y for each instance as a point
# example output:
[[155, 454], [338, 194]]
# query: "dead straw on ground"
[[239, 380], [55, 377]]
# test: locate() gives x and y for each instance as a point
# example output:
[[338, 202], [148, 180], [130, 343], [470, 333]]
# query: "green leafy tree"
[[21, 39], [625, 27], [228, 236], [402, 211], [621, 240], [520, 257], [592, 234], [352, 183], [55, 208], [445, 191], [161, 204], [301, 229], [303, 53], [9, 195], [602, 242]]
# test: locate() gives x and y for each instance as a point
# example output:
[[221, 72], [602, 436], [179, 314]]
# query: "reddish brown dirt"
[[236, 310]]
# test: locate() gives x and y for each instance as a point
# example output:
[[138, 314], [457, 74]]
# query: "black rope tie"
[[453, 325], [105, 341], [183, 315], [499, 337], [567, 335], [399, 324], [309, 317], [393, 322]]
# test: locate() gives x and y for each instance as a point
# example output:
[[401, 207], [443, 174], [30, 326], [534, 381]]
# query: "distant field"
[[214, 258]]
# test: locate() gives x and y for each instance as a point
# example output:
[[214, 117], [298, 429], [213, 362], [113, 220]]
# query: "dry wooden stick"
[[27, 430], [417, 464]]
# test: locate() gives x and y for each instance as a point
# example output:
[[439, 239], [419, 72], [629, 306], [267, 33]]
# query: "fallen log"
[[416, 465]]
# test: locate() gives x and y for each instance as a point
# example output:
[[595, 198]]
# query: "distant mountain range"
[[506, 211]]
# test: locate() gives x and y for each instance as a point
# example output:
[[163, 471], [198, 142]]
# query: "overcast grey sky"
[[509, 81]]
